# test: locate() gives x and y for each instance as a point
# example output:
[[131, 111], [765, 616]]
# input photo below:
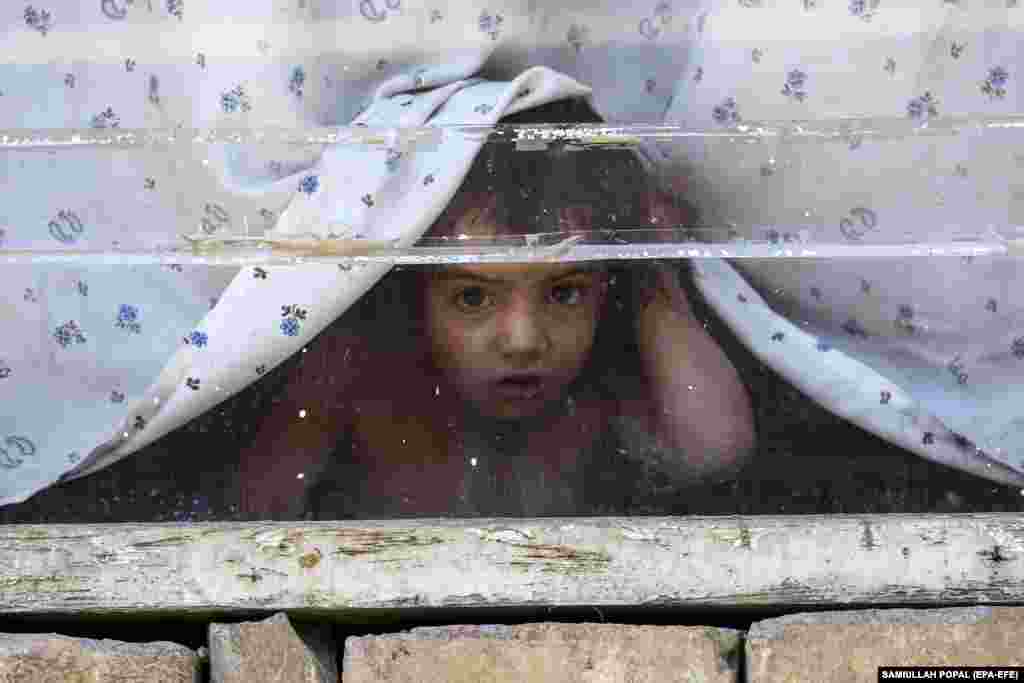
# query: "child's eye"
[[568, 295], [471, 298]]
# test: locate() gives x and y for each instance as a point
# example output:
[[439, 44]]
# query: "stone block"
[[851, 645], [272, 651], [53, 658], [545, 653]]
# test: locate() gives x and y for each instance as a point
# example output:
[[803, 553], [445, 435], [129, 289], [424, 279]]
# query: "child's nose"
[[522, 331]]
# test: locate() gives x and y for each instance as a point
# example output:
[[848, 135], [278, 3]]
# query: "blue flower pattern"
[[864, 9], [127, 318], [40, 20], [197, 338], [69, 333], [923, 107], [297, 81], [727, 112], [235, 99], [106, 119], [490, 24], [794, 87], [309, 185], [292, 315], [994, 84]]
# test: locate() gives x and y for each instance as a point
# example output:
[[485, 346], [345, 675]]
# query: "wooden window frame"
[[763, 562]]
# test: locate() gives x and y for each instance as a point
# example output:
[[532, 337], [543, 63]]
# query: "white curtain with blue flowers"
[[926, 353], [938, 340]]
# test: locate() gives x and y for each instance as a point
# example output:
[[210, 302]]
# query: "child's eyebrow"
[[457, 273]]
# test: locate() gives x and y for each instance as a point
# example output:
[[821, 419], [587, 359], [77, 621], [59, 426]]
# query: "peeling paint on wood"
[[352, 542], [346, 567]]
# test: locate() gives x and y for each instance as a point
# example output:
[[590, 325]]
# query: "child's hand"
[[658, 282], [700, 407]]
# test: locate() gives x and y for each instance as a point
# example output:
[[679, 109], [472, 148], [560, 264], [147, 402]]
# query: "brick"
[[545, 652], [272, 651], [851, 645], [53, 658]]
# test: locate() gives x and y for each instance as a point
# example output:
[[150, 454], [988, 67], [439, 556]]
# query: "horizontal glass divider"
[[597, 134], [250, 256]]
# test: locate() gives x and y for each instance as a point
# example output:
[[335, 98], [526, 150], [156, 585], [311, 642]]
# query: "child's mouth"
[[522, 387]]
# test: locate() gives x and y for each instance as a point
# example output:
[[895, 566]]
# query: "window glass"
[[580, 331]]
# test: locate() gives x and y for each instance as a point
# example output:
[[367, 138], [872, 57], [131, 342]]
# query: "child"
[[515, 389]]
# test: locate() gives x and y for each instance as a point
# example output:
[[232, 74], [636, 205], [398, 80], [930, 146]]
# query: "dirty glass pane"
[[601, 320]]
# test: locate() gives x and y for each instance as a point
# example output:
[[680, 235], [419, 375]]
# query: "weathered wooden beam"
[[764, 562]]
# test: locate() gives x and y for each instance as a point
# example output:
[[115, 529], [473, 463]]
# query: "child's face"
[[512, 337]]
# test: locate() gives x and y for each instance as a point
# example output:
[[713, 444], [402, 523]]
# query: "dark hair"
[[556, 190]]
